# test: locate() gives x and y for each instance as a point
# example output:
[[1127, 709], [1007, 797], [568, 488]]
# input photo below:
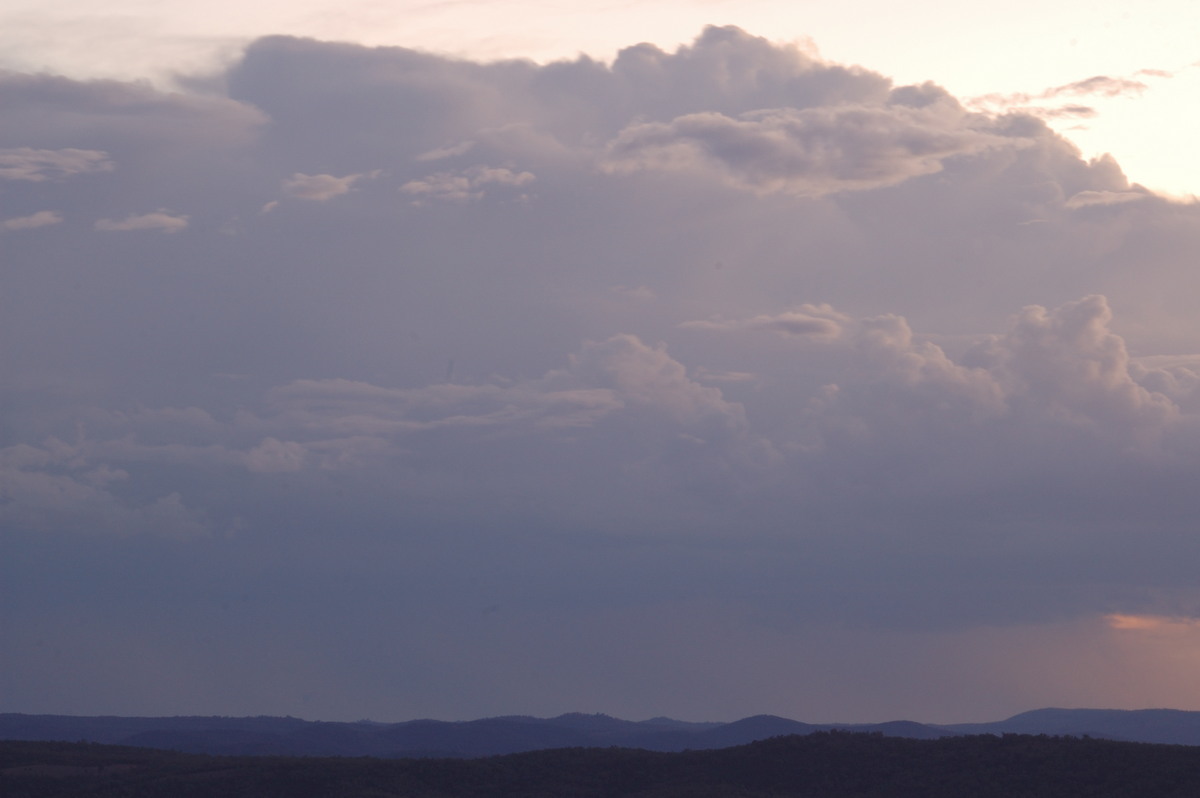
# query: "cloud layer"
[[540, 381]]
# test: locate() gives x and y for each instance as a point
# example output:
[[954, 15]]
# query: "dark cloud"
[[1101, 85], [711, 345], [1042, 104]]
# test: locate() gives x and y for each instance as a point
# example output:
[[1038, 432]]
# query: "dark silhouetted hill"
[[817, 765], [265, 736], [1142, 725]]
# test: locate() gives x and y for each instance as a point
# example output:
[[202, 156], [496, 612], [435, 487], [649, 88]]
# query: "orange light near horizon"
[[1143, 623]]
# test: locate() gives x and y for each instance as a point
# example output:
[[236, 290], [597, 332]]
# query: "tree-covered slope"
[[812, 766]]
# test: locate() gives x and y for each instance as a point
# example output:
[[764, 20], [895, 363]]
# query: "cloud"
[[320, 188], [33, 220], [164, 221], [1088, 199], [1061, 367], [704, 375], [1069, 362], [602, 379], [272, 455], [727, 340], [342, 407], [729, 71], [52, 489], [1152, 623], [468, 185], [807, 152], [449, 151], [1040, 104], [1096, 86], [1101, 85], [1011, 436], [647, 376], [819, 322], [36, 166], [1060, 112], [639, 294]]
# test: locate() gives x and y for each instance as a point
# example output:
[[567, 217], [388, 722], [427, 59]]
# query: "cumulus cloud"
[[1053, 401], [647, 376], [163, 221], [1068, 362], [36, 166]]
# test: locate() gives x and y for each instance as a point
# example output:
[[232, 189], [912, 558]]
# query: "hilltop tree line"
[[829, 764]]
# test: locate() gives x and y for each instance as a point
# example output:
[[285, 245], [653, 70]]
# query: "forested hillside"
[[813, 766]]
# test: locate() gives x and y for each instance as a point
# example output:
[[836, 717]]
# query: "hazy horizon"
[[637, 720]]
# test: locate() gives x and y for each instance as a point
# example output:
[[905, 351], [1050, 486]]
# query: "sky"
[[389, 361]]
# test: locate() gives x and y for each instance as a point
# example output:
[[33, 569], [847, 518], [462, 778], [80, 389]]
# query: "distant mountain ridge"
[[1172, 726], [820, 765], [514, 734]]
